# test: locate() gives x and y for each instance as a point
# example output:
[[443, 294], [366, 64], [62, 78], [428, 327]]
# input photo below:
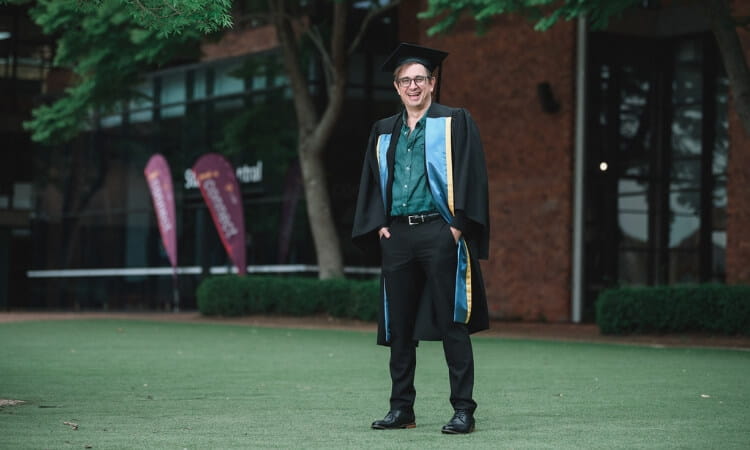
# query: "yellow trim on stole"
[[449, 164], [452, 208], [468, 283]]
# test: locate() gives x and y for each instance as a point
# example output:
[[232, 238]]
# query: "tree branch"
[[317, 40], [338, 39], [371, 15], [337, 85], [303, 104]]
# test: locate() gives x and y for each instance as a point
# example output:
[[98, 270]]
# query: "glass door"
[[655, 163]]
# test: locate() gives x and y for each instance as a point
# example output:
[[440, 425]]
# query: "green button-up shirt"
[[410, 192]]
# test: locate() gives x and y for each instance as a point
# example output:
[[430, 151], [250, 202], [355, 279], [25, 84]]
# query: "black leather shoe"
[[395, 419], [461, 423]]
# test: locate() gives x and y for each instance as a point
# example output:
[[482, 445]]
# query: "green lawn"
[[141, 384]]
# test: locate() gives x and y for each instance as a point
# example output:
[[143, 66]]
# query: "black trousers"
[[421, 259]]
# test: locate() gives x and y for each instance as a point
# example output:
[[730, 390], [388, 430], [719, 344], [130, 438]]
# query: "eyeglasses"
[[406, 81]]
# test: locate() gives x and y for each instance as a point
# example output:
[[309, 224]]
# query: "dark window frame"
[[653, 58]]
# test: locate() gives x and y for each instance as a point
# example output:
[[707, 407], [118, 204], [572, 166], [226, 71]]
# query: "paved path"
[[515, 330]]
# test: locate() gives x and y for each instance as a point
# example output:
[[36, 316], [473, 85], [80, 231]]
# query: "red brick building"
[[614, 156], [532, 154]]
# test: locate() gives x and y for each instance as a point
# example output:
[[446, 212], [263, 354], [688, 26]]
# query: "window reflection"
[[684, 267], [719, 195], [685, 224], [199, 84], [721, 127], [226, 79], [141, 105], [718, 253], [685, 175], [633, 267], [651, 118]]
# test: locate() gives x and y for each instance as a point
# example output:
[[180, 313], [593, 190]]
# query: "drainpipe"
[[578, 172]]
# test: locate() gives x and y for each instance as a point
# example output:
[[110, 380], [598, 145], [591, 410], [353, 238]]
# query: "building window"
[[656, 162]]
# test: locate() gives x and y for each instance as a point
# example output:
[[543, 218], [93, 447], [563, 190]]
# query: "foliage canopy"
[[545, 12], [107, 44]]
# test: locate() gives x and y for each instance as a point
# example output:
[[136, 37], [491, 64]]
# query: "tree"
[[548, 12], [328, 37], [151, 32], [108, 44]]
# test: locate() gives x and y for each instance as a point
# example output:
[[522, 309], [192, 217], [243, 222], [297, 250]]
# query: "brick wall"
[[738, 183], [529, 153], [241, 42]]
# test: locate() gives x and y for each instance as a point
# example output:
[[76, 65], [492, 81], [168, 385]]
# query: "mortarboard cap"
[[404, 53]]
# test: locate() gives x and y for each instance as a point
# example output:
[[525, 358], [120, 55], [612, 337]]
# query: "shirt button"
[[403, 204], [405, 186]]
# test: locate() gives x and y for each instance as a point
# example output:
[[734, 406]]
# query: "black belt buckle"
[[417, 219]]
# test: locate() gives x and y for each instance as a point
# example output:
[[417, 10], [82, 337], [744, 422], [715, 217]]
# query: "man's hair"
[[398, 70]]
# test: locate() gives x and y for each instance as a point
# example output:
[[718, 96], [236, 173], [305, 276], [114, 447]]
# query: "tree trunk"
[[315, 130], [725, 31], [313, 135], [311, 151], [325, 237]]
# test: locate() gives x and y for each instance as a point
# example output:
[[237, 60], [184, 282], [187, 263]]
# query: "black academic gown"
[[470, 201]]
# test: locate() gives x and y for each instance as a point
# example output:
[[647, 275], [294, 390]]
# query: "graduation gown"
[[457, 178]]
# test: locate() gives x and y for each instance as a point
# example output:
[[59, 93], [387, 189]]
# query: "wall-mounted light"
[[603, 166], [547, 99], [4, 35]]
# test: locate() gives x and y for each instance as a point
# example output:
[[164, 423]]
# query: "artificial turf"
[[155, 385]]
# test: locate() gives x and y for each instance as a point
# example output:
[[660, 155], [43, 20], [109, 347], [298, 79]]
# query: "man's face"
[[415, 95]]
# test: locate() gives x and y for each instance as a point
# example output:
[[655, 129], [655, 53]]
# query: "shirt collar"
[[420, 124]]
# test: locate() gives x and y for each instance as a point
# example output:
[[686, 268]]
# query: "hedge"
[[230, 295], [713, 308]]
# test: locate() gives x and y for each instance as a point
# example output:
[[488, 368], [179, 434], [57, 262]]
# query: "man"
[[423, 204]]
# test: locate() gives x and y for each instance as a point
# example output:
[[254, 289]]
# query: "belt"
[[416, 219]]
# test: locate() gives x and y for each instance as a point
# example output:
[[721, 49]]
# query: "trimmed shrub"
[[230, 295], [296, 296], [222, 296], [366, 300], [711, 307], [355, 300]]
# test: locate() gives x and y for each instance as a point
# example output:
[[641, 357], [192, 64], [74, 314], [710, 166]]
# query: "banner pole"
[[175, 292]]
